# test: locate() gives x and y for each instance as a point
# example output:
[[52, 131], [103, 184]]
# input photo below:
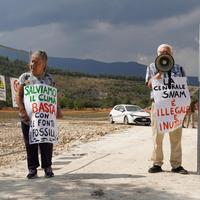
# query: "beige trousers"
[[175, 141], [191, 118]]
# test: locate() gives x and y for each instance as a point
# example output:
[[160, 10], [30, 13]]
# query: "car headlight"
[[132, 115]]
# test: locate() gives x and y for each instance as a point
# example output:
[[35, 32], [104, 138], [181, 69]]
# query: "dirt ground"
[[12, 147]]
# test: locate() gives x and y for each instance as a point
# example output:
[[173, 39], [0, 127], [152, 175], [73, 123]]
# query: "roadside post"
[[198, 134]]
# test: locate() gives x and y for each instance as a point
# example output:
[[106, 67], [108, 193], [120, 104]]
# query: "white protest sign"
[[41, 105], [14, 85], [171, 104], [2, 88]]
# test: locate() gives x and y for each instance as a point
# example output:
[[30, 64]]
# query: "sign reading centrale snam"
[[172, 103]]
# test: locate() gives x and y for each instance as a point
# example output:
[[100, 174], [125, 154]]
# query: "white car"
[[129, 114]]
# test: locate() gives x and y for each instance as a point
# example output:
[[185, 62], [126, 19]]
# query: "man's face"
[[164, 51]]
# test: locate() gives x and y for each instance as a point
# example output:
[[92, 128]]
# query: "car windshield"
[[133, 108]]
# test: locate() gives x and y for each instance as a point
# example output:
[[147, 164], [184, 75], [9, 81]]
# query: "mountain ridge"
[[88, 66]]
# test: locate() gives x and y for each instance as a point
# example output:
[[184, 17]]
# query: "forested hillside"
[[77, 90]]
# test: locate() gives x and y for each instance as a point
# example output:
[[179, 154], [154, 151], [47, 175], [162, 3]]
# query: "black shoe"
[[179, 170], [32, 174], [155, 169], [48, 172]]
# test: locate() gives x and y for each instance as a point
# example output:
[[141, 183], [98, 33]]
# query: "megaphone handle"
[[170, 79]]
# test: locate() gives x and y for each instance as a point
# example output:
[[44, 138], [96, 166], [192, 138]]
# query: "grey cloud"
[[23, 13], [107, 30]]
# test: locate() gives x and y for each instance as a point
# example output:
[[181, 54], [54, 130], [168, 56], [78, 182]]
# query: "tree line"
[[80, 90]]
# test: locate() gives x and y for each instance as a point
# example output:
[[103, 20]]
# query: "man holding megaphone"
[[164, 67]]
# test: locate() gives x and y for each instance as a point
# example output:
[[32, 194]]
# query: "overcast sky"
[[105, 30]]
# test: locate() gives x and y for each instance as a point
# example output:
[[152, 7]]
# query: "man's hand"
[[158, 75]]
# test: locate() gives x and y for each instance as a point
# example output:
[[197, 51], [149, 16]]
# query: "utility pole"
[[198, 134]]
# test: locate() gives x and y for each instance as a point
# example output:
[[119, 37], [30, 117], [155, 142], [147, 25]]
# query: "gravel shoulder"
[[71, 132]]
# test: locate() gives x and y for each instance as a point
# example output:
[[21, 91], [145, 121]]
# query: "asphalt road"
[[112, 168]]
